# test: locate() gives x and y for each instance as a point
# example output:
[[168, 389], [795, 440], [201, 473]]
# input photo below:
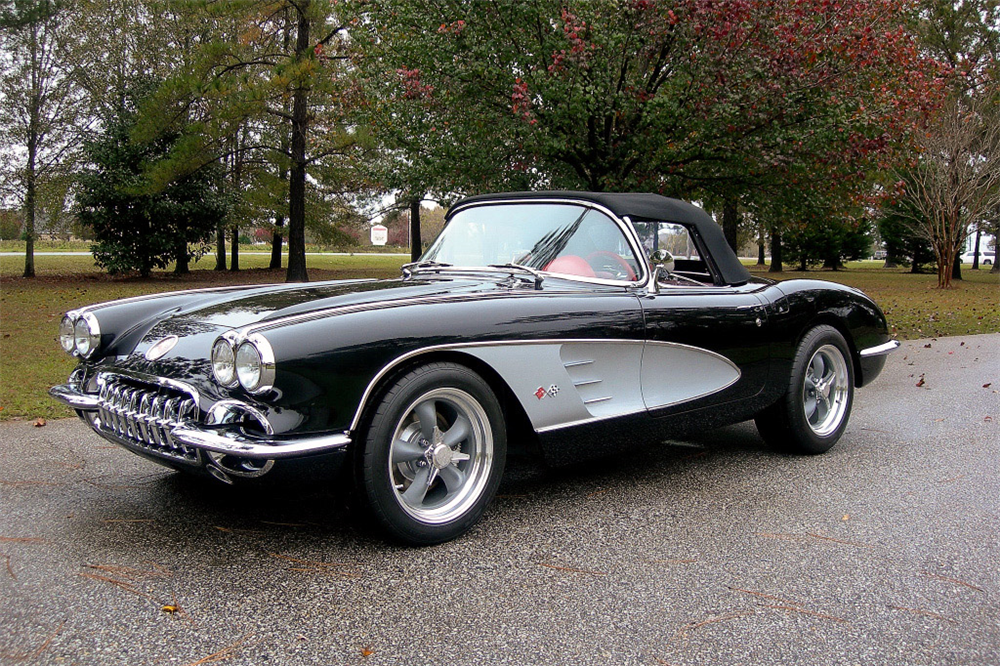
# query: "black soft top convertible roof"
[[645, 208]]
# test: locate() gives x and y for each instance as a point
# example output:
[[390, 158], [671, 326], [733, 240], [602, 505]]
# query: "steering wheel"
[[611, 263]]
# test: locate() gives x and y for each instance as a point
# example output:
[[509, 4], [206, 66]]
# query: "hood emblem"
[[161, 348]]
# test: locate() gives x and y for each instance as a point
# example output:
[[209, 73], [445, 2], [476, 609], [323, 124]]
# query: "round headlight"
[[67, 337], [87, 335], [224, 362], [248, 366]]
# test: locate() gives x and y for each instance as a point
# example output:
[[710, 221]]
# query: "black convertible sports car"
[[569, 324]]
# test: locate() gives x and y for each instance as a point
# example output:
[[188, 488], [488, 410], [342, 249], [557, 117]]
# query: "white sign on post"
[[380, 235]]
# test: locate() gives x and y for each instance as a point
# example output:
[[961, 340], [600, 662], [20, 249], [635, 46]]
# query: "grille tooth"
[[168, 408], [143, 415], [143, 418]]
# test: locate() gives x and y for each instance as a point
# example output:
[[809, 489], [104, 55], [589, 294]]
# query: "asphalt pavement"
[[707, 552]]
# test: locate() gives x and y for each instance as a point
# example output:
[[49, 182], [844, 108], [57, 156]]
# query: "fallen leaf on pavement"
[[39, 423]]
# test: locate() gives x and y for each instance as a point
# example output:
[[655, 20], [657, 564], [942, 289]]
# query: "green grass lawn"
[[30, 310]]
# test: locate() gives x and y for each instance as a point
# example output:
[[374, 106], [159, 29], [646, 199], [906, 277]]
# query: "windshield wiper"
[[536, 277], [417, 265]]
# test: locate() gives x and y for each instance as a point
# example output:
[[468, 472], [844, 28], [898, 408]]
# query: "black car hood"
[[206, 316]]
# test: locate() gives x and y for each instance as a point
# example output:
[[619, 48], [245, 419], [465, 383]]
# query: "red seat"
[[570, 264]]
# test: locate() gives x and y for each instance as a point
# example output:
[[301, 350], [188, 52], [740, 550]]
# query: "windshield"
[[558, 238]]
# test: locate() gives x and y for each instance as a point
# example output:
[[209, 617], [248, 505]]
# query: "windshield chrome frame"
[[623, 225]]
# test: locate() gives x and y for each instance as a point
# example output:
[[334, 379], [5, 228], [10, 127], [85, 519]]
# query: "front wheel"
[[814, 411], [434, 454]]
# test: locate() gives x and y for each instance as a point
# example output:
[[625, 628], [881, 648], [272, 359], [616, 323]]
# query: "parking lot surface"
[[709, 551]]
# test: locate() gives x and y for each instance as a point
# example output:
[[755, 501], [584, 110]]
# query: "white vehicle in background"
[[986, 257]]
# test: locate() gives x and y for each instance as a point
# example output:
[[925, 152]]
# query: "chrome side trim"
[[369, 390], [573, 364], [260, 449], [880, 350], [251, 329], [70, 395], [593, 400]]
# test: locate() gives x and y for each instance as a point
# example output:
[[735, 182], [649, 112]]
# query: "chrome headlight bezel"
[[86, 335], [255, 367], [223, 357], [67, 334]]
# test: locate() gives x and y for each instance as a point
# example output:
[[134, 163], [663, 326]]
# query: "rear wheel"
[[434, 454], [814, 411]]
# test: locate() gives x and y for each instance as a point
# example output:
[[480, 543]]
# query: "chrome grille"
[[143, 415]]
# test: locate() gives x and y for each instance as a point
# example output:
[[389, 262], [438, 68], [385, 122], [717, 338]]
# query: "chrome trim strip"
[[267, 363], [262, 449], [70, 395], [152, 379], [250, 329], [880, 350], [587, 382], [593, 400], [626, 227], [595, 419], [573, 364]]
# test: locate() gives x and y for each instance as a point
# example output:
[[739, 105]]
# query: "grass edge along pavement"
[[30, 310]]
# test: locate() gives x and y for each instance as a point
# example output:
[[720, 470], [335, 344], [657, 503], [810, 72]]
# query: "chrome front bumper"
[[880, 350], [217, 438]]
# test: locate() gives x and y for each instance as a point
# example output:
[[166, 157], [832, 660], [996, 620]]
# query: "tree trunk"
[[731, 222], [279, 222], [975, 252], [29, 215], [182, 266], [30, 175], [416, 247], [220, 246], [297, 179], [776, 265], [956, 265], [761, 254], [234, 262]]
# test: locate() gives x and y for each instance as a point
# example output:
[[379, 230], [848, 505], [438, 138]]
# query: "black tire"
[[434, 452], [813, 413]]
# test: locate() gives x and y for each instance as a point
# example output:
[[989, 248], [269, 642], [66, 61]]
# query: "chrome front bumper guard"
[[218, 440], [880, 350]]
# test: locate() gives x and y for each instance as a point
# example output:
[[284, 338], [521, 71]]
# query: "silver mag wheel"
[[434, 454], [441, 454], [812, 414], [825, 390]]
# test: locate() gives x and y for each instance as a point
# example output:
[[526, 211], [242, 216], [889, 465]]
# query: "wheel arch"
[[520, 434], [831, 320]]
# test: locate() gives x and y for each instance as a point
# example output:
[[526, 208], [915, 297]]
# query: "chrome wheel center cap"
[[440, 455]]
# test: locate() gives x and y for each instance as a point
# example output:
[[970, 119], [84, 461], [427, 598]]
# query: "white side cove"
[[561, 383], [675, 373], [568, 383], [565, 383]]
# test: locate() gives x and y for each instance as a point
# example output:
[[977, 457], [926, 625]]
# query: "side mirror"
[[663, 263], [662, 258]]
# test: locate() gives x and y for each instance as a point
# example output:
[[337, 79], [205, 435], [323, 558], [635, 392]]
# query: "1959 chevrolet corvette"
[[568, 324]]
